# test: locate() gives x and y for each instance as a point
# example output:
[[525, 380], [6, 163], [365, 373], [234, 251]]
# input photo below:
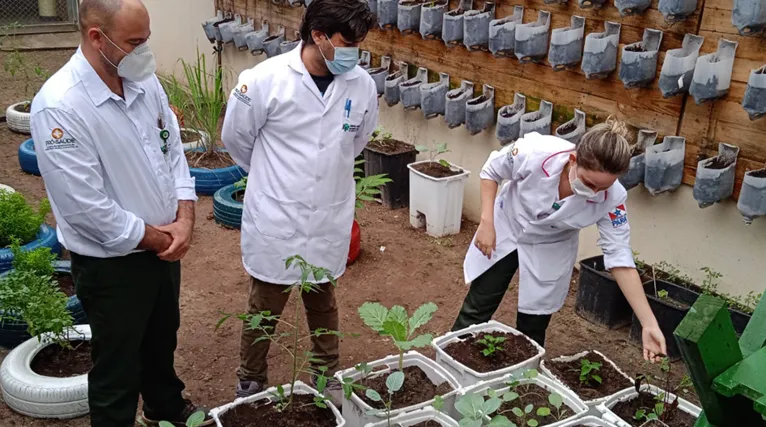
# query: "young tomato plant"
[[437, 150], [588, 371], [369, 186], [394, 383], [490, 345]]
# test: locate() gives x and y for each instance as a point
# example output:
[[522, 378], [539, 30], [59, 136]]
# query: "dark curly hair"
[[351, 18]]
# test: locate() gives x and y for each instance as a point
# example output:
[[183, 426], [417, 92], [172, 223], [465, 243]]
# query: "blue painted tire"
[[226, 209], [28, 157], [46, 237], [208, 181]]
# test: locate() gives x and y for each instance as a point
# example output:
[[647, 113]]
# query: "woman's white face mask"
[[137, 65], [578, 187]]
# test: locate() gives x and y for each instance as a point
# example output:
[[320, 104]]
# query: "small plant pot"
[[228, 205], [288, 45], [754, 101], [677, 10], [380, 160], [272, 43], [209, 26], [408, 16], [452, 25], [752, 196], [715, 176], [502, 33], [388, 13], [574, 129], [590, 4], [17, 117], [227, 29], [255, 39], [632, 7], [629, 394], [455, 103], [678, 67], [532, 39], [467, 376], [480, 111], [410, 89], [241, 32], [635, 174], [357, 412], [379, 74], [567, 44], [365, 60], [599, 57], [476, 27], [665, 165], [547, 367], [437, 203], [712, 75], [509, 120], [537, 121], [432, 19], [433, 97], [426, 416], [638, 64], [392, 92], [588, 421], [197, 139], [599, 299], [749, 17]]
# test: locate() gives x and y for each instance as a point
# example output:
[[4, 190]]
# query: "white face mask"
[[578, 187], [137, 65]]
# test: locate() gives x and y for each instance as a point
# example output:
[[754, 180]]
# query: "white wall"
[[668, 227]]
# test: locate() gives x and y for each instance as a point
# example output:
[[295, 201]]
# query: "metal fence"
[[38, 16]]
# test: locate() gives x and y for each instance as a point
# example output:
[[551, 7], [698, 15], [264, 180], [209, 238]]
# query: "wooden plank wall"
[[703, 126]]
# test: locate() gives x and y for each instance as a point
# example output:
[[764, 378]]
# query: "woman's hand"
[[654, 344], [485, 238]]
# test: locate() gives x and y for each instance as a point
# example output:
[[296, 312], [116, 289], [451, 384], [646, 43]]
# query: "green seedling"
[[438, 149], [368, 187], [195, 420], [589, 371], [663, 294], [491, 345], [394, 383]]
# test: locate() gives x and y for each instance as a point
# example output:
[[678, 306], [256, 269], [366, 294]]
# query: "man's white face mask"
[[137, 65]]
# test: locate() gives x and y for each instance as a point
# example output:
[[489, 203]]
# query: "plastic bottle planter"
[[209, 26], [410, 89], [635, 174], [256, 38], [227, 29], [502, 33], [408, 16], [391, 92], [296, 3], [754, 101], [479, 112], [509, 120], [677, 10], [452, 25], [380, 74], [599, 58], [365, 60], [387, 13], [715, 176], [532, 38], [271, 44], [288, 45], [433, 97], [476, 27], [752, 196], [431, 19], [749, 16], [537, 121], [566, 44], [678, 67], [240, 34], [574, 129], [228, 17], [630, 393], [454, 104], [638, 64], [590, 4], [632, 7], [712, 75], [665, 165]]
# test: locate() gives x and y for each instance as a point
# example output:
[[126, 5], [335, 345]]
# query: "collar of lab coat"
[[340, 81], [98, 91]]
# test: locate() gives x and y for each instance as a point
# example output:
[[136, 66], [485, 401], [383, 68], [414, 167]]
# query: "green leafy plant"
[[16, 64], [589, 371], [663, 403], [380, 136], [38, 261], [663, 294], [178, 94], [18, 220], [369, 186], [394, 383], [206, 100], [490, 345], [436, 150], [396, 324], [195, 420], [242, 183], [475, 410]]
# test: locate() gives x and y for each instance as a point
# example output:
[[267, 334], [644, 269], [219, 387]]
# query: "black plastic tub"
[[599, 299], [740, 320], [395, 194]]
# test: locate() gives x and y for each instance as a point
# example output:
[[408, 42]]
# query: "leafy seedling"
[[663, 294], [394, 383], [490, 345], [195, 420], [589, 371], [475, 409], [437, 150], [369, 186]]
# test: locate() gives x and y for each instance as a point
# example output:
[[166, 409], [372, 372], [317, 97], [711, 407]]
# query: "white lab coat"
[[299, 149], [529, 218]]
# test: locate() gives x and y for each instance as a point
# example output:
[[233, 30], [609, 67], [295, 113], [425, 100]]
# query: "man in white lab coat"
[[296, 122]]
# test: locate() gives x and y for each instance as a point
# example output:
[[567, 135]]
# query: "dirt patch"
[[417, 388], [59, 362], [538, 397], [301, 413], [202, 160], [515, 349], [569, 372], [65, 282], [673, 416], [390, 146], [436, 170]]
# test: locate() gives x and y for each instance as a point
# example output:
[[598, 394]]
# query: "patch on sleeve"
[[240, 94], [60, 140], [619, 216], [512, 152]]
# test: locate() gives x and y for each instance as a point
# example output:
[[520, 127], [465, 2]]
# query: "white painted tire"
[[7, 188], [204, 137], [37, 396], [17, 121]]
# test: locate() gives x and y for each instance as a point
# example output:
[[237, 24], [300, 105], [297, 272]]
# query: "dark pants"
[[486, 294], [132, 308]]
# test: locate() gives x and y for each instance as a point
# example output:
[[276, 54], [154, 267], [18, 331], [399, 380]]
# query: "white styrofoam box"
[[440, 200], [270, 394], [355, 409], [467, 376], [630, 393], [420, 416], [588, 420], [570, 399], [593, 402]]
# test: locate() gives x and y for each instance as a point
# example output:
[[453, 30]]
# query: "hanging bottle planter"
[[228, 17], [380, 74], [479, 112], [509, 120], [567, 44], [665, 165], [365, 60], [574, 129], [677, 10], [752, 196], [408, 16], [754, 101], [632, 7], [749, 16], [433, 97], [678, 67], [209, 26], [410, 89], [227, 29], [715, 176], [388, 13], [454, 106], [590, 4], [256, 38], [271, 44], [537, 121], [432, 18], [240, 34], [712, 74], [635, 174], [502, 33], [452, 26], [532, 38], [288, 45], [476, 27], [638, 64], [600, 55], [392, 93]]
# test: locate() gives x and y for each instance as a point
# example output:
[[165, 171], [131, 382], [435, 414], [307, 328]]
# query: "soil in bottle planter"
[[673, 415], [56, 361], [417, 388], [612, 380], [436, 170], [515, 349], [301, 413]]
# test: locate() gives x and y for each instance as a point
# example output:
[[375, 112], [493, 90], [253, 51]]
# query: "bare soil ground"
[[398, 265]]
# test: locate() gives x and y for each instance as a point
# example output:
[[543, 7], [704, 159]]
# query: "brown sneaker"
[[181, 419]]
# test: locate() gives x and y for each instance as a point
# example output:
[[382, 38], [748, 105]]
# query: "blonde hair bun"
[[605, 147]]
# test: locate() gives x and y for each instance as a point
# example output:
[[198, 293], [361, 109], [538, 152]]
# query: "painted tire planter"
[[630, 394], [356, 243], [468, 377], [200, 142], [208, 181], [422, 416], [440, 200], [45, 237], [28, 157], [544, 368], [38, 396], [599, 299], [227, 210], [7, 188], [18, 121]]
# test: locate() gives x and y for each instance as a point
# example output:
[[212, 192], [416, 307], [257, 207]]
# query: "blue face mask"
[[345, 60]]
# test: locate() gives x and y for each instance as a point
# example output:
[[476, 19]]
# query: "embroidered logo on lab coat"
[[59, 141], [619, 216], [240, 92], [243, 89], [348, 127]]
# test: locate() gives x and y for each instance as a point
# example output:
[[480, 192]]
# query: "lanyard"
[[164, 133]]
